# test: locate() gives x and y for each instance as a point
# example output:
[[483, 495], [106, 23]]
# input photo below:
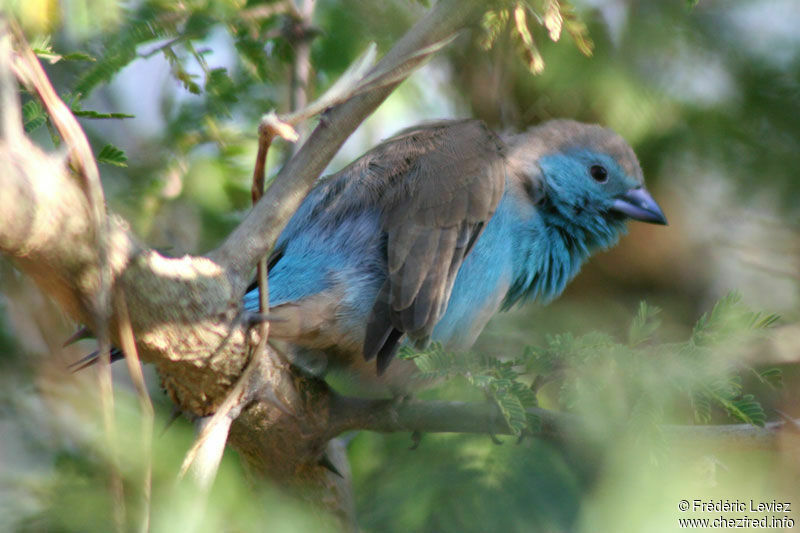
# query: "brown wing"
[[437, 186]]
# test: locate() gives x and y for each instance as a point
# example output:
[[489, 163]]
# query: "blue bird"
[[435, 230]]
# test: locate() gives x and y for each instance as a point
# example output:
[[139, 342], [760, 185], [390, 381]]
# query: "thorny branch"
[[184, 313]]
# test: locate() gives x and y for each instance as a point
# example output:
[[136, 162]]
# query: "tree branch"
[[387, 415]]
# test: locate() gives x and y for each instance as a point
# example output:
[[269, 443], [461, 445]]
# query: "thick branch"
[[256, 235], [388, 416]]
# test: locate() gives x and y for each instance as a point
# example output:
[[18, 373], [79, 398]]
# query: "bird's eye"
[[599, 173]]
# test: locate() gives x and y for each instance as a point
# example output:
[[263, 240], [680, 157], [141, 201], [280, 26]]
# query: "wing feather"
[[436, 187]]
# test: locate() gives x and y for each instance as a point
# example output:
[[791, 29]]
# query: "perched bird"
[[433, 231]]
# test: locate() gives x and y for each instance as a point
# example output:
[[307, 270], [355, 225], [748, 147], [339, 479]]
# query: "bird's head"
[[584, 176]]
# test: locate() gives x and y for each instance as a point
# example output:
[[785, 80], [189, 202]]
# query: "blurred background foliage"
[[709, 96]]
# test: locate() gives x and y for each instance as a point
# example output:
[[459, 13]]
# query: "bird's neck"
[[551, 241]]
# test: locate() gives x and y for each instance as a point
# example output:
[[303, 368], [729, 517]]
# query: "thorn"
[[416, 439], [83, 362], [327, 464], [82, 333], [92, 358]]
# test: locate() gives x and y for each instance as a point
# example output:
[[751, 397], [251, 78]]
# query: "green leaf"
[[749, 410], [577, 29], [49, 55], [78, 56], [701, 404], [643, 325], [180, 73], [729, 320], [726, 389], [761, 321], [493, 23], [524, 394], [773, 377], [121, 49], [221, 91], [87, 113], [534, 422], [111, 155], [513, 412], [33, 116], [528, 48]]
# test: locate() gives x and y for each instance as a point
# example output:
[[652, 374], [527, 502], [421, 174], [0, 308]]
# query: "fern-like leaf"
[[493, 24], [513, 411], [111, 155], [529, 50], [643, 325], [33, 116], [772, 377], [122, 48], [88, 113], [748, 410]]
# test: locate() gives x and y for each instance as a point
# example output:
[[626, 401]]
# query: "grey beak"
[[639, 205]]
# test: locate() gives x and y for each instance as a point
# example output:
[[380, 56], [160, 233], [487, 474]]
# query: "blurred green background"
[[709, 97]]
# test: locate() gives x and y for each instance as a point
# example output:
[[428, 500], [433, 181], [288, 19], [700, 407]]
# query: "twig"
[[161, 47], [268, 129], [301, 66], [146, 406]]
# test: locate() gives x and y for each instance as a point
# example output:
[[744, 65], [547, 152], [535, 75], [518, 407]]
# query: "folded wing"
[[437, 186]]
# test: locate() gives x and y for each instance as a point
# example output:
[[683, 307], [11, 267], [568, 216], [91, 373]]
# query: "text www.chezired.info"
[[742, 522]]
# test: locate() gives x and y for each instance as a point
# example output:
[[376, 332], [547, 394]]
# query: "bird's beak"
[[639, 205]]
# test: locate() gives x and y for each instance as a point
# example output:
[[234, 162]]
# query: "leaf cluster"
[[516, 18], [179, 33], [633, 380]]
